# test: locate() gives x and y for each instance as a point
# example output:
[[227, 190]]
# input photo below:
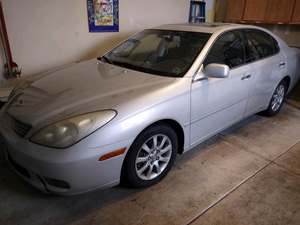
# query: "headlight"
[[68, 132]]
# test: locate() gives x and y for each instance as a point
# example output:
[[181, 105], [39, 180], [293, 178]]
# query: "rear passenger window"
[[228, 50], [259, 45], [252, 53]]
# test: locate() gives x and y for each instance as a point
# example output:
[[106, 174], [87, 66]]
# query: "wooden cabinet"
[[263, 11], [296, 13], [279, 11], [255, 10], [235, 10]]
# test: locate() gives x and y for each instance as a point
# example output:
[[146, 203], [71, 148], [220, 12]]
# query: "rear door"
[[267, 68]]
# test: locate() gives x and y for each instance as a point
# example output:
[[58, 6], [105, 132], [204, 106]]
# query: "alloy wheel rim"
[[153, 157], [278, 97]]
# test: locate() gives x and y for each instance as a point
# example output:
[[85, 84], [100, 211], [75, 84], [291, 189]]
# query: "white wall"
[[210, 10], [49, 33], [1, 69], [2, 63]]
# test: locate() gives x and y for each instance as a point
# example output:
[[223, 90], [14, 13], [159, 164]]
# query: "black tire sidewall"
[[129, 176]]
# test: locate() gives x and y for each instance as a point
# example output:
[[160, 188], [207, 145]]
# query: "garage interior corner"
[[248, 173]]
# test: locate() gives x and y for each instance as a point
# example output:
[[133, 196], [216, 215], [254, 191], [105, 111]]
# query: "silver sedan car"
[[125, 116]]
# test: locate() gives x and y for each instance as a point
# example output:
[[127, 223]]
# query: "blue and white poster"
[[103, 15]]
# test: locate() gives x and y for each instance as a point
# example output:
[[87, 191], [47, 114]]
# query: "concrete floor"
[[249, 174]]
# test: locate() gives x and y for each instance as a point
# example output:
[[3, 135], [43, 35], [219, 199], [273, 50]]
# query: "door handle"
[[246, 77], [282, 64]]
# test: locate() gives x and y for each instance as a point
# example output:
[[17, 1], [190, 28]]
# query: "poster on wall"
[[103, 15]]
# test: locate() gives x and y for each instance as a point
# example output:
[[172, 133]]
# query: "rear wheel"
[[150, 157], [277, 100]]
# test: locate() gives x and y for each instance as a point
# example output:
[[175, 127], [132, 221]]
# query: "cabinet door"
[[296, 14], [235, 10], [279, 11], [255, 10]]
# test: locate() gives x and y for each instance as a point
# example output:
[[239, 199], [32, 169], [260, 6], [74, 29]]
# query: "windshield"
[[159, 52]]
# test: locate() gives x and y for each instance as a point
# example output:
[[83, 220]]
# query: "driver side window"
[[228, 50]]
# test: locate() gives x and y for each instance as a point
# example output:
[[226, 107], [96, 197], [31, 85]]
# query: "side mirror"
[[217, 70]]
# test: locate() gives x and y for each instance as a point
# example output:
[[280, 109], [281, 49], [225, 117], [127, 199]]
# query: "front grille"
[[19, 127]]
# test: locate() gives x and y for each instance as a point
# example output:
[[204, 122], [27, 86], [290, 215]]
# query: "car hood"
[[80, 88]]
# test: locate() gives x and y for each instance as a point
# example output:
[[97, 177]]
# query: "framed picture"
[[103, 15]]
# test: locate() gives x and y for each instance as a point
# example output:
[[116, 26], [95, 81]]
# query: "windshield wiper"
[[104, 58]]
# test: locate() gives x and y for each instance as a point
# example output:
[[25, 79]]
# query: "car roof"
[[202, 27]]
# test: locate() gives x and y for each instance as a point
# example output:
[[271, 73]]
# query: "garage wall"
[[45, 34], [1, 68], [2, 63], [289, 33], [210, 10]]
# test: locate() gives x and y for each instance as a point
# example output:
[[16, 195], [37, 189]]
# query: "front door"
[[217, 103]]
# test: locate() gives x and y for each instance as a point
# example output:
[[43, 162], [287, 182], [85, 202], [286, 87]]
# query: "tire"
[[160, 159], [277, 100]]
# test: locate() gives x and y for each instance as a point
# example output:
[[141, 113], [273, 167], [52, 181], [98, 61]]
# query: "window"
[[251, 52], [159, 52], [259, 45], [228, 49]]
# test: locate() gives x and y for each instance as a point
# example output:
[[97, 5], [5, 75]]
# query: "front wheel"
[[150, 157], [277, 100]]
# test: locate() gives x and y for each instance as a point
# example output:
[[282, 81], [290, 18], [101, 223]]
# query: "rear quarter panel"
[[292, 56]]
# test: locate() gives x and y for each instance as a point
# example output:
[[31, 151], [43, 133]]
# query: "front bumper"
[[65, 172]]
